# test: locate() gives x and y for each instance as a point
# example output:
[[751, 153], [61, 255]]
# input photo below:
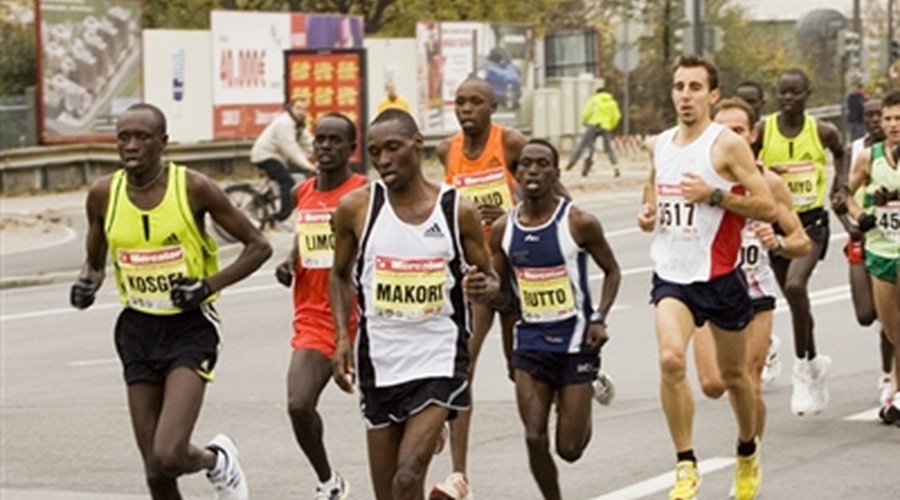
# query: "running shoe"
[[747, 476], [455, 487], [885, 391], [334, 489], [604, 388], [819, 369], [687, 481], [772, 367], [801, 398], [229, 483]]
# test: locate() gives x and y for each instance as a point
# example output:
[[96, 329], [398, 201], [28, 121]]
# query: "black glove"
[[189, 293], [82, 293], [866, 222], [284, 273], [881, 197]]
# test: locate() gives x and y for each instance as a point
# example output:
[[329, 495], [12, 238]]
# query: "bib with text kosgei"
[[315, 239], [409, 289], [675, 215], [149, 275], [750, 249], [801, 181], [485, 188], [888, 219], [545, 294]]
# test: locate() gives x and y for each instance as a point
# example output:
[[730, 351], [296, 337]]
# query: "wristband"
[[598, 317]]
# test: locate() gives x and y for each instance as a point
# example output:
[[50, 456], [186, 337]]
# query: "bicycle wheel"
[[250, 202]]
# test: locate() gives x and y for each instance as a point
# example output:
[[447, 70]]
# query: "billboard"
[[248, 62], [450, 52], [89, 66], [331, 81]]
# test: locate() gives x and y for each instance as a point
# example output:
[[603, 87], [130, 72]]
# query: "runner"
[[405, 243], [149, 217], [702, 185], [793, 146], [757, 240], [875, 170], [543, 244], [307, 268]]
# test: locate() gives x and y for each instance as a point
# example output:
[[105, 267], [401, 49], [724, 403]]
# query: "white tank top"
[[695, 242], [754, 261], [413, 321]]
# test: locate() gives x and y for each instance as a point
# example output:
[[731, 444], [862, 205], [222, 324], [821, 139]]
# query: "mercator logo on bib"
[[315, 239], [485, 188], [148, 275], [545, 294], [409, 289]]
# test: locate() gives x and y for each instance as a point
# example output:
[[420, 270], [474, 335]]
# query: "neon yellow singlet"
[[804, 159], [152, 248]]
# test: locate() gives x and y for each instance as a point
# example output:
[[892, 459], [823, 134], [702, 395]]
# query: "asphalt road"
[[66, 433]]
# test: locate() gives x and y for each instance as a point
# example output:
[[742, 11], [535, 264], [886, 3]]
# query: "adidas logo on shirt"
[[434, 231], [172, 239]]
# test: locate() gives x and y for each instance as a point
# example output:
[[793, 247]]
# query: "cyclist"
[[284, 146]]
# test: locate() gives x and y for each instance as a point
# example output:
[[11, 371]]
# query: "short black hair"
[[161, 125], [755, 85], [394, 114], [797, 72], [351, 127], [695, 61], [543, 142]]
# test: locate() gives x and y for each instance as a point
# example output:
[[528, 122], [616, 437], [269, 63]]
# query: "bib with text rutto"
[[149, 275], [409, 289], [545, 294]]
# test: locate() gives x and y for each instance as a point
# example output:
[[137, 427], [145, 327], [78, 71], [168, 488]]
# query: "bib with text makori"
[[409, 289]]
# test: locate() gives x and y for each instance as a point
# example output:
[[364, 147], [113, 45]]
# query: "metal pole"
[[890, 38], [626, 105], [857, 21], [698, 28]]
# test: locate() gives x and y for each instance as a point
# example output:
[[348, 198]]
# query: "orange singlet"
[[486, 180], [313, 327]]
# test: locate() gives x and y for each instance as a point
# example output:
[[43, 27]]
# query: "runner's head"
[[890, 117], [872, 116], [538, 169], [141, 136], [695, 88], [737, 115], [752, 93], [474, 105], [334, 141], [298, 107], [793, 91], [395, 144]]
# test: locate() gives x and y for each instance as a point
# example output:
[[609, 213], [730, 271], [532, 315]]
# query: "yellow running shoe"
[[687, 481], [747, 476]]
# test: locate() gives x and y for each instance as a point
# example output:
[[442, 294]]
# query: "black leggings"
[[278, 172]]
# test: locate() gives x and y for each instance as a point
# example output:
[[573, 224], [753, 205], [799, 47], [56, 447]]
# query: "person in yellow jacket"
[[600, 116], [392, 100]]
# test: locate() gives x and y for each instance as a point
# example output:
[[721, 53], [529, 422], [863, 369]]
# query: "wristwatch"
[[598, 317], [716, 197]]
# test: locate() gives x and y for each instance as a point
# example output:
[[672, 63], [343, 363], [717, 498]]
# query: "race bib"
[[409, 289], [801, 181], [675, 216], [315, 239], [148, 275], [545, 294], [888, 219], [750, 249], [485, 188]]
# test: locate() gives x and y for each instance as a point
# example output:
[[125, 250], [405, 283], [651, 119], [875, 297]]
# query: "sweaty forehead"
[[475, 87]]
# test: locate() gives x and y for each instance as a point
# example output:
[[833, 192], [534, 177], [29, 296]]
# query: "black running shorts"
[[723, 301], [558, 369], [392, 405]]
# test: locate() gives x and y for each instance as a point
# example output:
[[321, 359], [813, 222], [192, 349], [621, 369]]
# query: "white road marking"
[[663, 482], [93, 362], [865, 416]]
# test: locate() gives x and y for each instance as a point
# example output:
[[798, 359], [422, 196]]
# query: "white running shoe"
[[801, 398], [772, 367], [334, 489], [885, 391], [819, 369], [229, 483], [604, 388]]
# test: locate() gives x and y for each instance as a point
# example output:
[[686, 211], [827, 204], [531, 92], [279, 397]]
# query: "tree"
[[18, 62]]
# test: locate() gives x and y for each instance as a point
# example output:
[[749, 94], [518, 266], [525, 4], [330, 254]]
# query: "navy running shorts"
[[724, 301], [558, 369]]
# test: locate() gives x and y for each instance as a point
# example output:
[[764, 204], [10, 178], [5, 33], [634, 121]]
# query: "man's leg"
[[731, 355], [591, 146], [309, 371], [182, 399], [420, 433], [888, 314], [674, 326], [707, 367], [482, 319], [533, 399], [793, 278], [759, 334], [861, 291], [587, 137], [276, 171], [144, 404], [573, 421], [383, 445], [610, 152]]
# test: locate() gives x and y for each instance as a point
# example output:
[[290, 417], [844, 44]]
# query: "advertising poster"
[[450, 52], [89, 66], [248, 62], [332, 81]]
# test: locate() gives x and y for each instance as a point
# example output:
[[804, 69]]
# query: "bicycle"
[[258, 200]]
